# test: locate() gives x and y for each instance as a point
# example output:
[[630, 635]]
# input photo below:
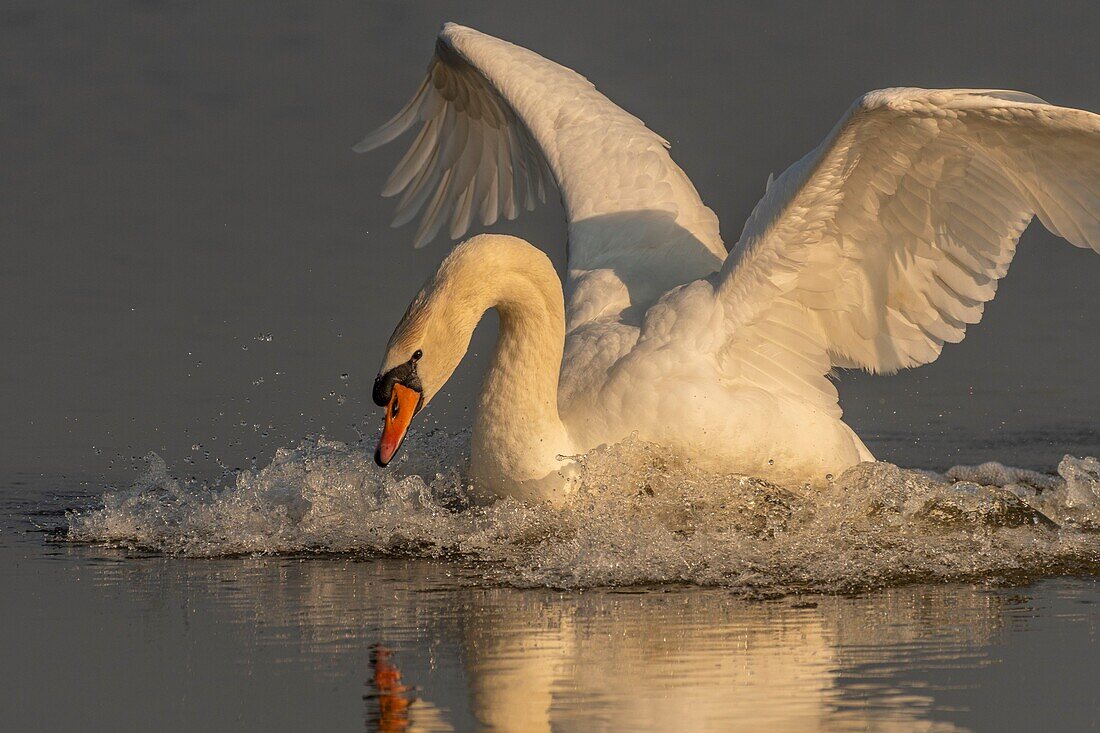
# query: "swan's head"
[[427, 346]]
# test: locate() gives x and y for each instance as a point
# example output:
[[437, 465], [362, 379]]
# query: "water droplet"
[[344, 377], [828, 477], [771, 462]]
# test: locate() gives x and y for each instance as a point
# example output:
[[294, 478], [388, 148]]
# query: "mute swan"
[[870, 252]]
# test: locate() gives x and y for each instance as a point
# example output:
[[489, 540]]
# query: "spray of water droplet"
[[639, 516]]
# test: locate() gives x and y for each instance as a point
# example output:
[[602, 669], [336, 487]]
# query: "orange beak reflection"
[[399, 413]]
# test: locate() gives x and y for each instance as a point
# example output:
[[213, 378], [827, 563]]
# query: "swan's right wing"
[[501, 123], [887, 240]]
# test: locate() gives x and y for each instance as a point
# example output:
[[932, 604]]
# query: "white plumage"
[[872, 251]]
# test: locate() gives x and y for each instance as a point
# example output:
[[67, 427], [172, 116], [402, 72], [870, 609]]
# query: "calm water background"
[[193, 258]]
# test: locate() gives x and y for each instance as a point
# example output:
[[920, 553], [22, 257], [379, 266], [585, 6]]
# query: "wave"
[[641, 516]]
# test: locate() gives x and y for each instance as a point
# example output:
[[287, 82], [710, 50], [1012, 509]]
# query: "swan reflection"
[[702, 660], [437, 651]]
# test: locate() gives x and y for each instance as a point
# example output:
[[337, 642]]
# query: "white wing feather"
[[887, 240], [500, 123]]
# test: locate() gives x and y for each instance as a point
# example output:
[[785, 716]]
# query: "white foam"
[[641, 516]]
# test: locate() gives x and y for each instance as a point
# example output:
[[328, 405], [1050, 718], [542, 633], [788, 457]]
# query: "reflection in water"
[[392, 703], [392, 706], [538, 660], [654, 661], [703, 661]]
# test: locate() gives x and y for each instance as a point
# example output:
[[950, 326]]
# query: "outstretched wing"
[[500, 122], [887, 240]]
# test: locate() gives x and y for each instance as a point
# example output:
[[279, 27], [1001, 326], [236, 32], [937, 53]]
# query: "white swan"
[[870, 252]]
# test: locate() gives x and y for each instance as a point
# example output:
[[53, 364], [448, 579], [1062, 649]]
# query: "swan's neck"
[[518, 434], [521, 387]]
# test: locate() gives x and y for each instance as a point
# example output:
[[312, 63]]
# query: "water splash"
[[641, 516]]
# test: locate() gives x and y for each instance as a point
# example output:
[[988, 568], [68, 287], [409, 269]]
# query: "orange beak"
[[399, 413]]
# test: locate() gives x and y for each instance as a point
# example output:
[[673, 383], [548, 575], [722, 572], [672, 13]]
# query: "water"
[[640, 516], [113, 638], [322, 592]]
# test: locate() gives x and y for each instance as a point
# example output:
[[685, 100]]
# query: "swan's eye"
[[417, 354]]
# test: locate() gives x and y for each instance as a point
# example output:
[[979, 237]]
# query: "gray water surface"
[[107, 639]]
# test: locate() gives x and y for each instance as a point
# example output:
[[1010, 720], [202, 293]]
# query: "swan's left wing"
[[887, 240], [500, 124]]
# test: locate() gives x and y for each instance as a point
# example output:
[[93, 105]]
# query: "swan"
[[871, 252]]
